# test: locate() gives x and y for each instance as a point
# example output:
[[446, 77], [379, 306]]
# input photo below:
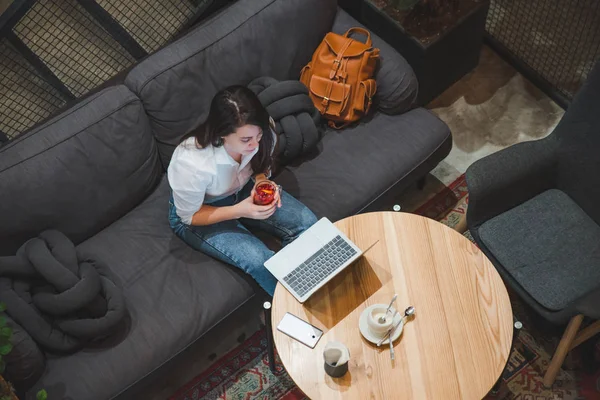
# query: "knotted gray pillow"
[[297, 121], [63, 299]]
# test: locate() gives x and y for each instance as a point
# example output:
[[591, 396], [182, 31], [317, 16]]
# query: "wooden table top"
[[455, 347]]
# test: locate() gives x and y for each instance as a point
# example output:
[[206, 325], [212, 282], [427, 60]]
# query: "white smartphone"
[[300, 330]]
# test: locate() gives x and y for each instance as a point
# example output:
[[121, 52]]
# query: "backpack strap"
[[370, 88], [325, 102], [360, 30], [338, 59], [338, 125]]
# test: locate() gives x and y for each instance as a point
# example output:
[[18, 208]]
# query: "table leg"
[[268, 327], [517, 328]]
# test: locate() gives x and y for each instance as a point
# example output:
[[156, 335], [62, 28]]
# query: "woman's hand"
[[247, 209], [277, 199]]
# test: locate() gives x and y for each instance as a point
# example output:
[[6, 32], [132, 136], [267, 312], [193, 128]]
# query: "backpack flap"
[[336, 44], [329, 97]]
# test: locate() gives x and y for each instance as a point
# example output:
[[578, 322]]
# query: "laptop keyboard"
[[319, 266]]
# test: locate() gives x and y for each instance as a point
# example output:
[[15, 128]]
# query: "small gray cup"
[[336, 357]]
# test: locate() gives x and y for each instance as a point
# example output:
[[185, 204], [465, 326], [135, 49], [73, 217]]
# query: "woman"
[[213, 173]]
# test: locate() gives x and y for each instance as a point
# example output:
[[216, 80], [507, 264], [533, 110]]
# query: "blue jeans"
[[231, 241]]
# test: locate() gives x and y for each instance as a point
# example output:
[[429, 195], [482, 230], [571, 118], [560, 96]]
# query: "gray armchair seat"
[[534, 211], [550, 246]]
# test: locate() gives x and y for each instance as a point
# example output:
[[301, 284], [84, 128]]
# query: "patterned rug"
[[244, 374]]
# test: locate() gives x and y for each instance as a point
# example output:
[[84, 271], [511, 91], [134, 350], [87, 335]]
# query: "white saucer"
[[372, 337]]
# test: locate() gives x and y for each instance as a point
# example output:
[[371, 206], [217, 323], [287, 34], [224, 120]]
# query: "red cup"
[[264, 193]]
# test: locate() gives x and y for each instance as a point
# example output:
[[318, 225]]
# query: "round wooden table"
[[455, 347]]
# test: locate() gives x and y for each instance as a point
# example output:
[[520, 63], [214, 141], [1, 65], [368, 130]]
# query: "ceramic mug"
[[376, 327]]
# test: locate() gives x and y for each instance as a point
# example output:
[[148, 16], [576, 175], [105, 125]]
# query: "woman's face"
[[244, 140]]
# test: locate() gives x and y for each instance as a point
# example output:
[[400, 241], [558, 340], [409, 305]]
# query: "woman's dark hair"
[[230, 109]]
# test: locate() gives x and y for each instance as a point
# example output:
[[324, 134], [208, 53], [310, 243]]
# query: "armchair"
[[534, 210]]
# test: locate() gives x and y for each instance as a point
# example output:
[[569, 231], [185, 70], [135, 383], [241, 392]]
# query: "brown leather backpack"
[[339, 77]]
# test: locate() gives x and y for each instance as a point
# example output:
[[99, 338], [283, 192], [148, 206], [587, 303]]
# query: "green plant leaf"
[[6, 332], [41, 395], [5, 349], [5, 397], [2, 320], [2, 306]]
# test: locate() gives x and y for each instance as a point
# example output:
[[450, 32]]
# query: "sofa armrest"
[[397, 85], [505, 179]]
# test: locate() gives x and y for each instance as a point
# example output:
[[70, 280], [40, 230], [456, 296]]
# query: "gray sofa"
[[97, 173]]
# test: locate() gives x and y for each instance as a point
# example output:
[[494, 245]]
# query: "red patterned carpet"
[[244, 372]]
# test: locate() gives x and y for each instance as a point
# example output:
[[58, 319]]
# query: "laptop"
[[309, 262]]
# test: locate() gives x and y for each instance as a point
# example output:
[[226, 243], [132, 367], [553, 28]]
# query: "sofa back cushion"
[[78, 172], [249, 39]]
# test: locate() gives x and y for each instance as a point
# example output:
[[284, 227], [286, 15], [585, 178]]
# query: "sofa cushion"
[[397, 84], [251, 38], [78, 172], [549, 245], [352, 167], [174, 294]]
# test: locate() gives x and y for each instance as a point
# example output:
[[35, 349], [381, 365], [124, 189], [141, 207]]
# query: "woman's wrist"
[[260, 178], [235, 212]]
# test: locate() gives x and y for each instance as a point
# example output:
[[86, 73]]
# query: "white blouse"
[[204, 175]]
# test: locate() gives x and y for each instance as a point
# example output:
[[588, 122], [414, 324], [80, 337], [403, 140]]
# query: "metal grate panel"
[[150, 22], [559, 40], [57, 50], [68, 40], [25, 98]]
